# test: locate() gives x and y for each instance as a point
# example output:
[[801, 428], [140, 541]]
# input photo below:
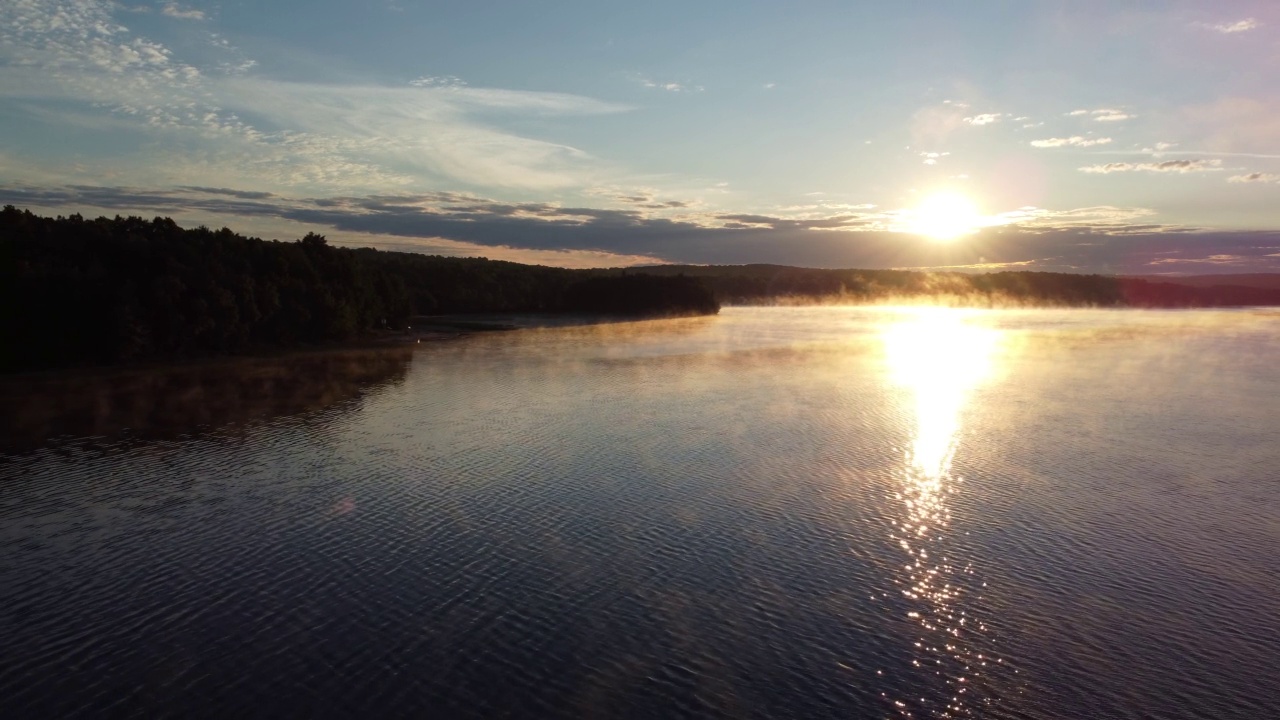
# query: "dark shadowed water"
[[814, 512]]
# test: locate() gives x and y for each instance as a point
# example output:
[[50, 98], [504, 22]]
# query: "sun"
[[945, 216]]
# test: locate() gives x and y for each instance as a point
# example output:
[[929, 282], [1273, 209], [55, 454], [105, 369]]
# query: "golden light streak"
[[938, 356]]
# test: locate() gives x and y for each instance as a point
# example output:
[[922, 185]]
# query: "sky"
[[1109, 136]]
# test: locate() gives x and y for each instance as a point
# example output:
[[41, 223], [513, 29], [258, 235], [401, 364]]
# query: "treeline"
[[76, 291], [779, 284]]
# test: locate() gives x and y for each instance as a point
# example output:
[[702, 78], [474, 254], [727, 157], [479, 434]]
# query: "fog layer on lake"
[[775, 512]]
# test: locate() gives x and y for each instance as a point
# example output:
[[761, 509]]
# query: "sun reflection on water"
[[938, 356]]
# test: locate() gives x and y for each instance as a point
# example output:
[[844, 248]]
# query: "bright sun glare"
[[945, 216]]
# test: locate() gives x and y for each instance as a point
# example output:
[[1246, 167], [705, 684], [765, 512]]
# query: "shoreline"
[[428, 328]]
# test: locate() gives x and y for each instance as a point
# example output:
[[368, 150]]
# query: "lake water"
[[776, 512]]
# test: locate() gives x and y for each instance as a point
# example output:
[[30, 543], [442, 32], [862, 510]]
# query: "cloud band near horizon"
[[1102, 240]]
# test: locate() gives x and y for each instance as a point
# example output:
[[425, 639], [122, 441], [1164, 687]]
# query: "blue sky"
[[1081, 136]]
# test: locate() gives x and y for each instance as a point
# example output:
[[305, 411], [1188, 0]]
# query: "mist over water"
[[808, 512]]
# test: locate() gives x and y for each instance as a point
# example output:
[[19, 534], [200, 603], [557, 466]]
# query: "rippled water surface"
[[819, 512]]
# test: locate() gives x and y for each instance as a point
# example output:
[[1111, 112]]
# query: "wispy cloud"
[[1229, 28], [69, 58], [1257, 177], [1159, 149], [445, 81], [1168, 166], [739, 221], [1111, 116], [984, 119], [423, 132], [1073, 141], [1215, 259], [646, 198], [675, 87], [1103, 115], [1101, 219], [174, 10]]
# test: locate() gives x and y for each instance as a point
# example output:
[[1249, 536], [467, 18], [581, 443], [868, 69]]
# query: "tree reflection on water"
[[176, 401]]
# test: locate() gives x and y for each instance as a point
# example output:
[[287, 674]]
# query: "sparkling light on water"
[[938, 357]]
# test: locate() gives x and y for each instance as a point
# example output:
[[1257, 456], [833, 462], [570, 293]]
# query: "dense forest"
[[75, 291]]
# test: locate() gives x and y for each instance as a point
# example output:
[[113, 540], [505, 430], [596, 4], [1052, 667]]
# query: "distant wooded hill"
[[75, 291], [780, 284], [1270, 281]]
